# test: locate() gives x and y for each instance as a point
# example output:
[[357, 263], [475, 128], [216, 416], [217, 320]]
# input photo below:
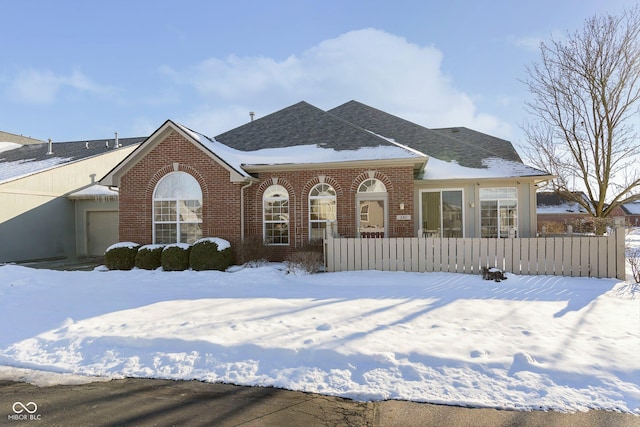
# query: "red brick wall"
[[398, 180], [221, 199]]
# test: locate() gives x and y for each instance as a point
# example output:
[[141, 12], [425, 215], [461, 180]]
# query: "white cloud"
[[528, 43], [377, 68], [33, 86]]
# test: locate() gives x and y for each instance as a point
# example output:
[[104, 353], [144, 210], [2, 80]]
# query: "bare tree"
[[586, 112]]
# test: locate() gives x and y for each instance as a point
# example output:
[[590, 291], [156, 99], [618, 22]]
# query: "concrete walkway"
[[65, 264], [147, 402]]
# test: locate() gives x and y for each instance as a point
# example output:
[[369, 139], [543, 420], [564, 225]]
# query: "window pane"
[[489, 218], [165, 210], [277, 233], [190, 232], [166, 233], [372, 186], [178, 185], [452, 213], [431, 214], [190, 211], [322, 209]]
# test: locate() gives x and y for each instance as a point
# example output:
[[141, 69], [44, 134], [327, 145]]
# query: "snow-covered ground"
[[530, 342]]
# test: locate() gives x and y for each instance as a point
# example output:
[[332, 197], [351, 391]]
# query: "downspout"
[[242, 209]]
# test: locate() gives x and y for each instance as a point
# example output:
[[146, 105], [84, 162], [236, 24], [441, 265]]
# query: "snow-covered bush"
[[149, 257], [121, 256], [211, 254], [175, 257]]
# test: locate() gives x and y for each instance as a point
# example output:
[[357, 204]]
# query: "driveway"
[[149, 402]]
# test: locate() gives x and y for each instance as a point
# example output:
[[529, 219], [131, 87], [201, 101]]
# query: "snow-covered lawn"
[[530, 342]]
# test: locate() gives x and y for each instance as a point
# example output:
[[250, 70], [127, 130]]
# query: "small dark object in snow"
[[493, 274]]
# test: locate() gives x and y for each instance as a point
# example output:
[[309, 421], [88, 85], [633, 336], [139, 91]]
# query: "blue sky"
[[78, 70]]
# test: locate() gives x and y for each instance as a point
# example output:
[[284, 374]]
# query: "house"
[[50, 204], [287, 177], [555, 214], [632, 213]]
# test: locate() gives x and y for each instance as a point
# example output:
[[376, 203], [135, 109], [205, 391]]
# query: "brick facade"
[[221, 198]]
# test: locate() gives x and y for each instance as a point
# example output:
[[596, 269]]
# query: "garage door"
[[102, 231]]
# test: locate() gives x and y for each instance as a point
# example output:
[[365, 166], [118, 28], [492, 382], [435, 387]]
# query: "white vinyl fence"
[[561, 256]]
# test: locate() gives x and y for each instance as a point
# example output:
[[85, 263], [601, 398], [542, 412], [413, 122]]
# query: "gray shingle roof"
[[300, 124], [464, 146], [34, 157]]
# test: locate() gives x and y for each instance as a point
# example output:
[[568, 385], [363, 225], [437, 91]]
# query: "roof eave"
[[418, 163]]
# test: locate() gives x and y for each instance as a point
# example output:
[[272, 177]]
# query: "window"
[[371, 201], [275, 203], [372, 186], [498, 211], [322, 208], [177, 209], [442, 213]]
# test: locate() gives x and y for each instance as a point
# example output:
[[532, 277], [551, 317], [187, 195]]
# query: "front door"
[[371, 218]]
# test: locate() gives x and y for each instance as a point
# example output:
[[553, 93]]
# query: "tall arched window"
[[177, 209], [322, 208], [275, 202], [372, 213]]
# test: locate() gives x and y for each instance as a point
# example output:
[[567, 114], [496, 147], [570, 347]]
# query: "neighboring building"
[[555, 213], [17, 139], [632, 213], [37, 219], [355, 169]]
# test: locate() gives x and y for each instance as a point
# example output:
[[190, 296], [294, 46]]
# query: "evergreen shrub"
[[121, 256], [211, 254], [175, 257], [149, 257]]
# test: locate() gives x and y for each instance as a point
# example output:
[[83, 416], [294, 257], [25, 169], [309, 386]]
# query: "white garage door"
[[102, 231]]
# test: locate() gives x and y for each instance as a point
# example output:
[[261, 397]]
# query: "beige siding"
[[36, 220]]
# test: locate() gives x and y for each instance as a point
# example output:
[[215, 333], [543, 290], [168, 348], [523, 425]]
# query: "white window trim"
[[373, 196], [265, 222], [176, 200], [516, 199], [331, 198], [440, 190]]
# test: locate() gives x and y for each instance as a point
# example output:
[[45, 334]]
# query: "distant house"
[[357, 171], [632, 213], [50, 204], [555, 213]]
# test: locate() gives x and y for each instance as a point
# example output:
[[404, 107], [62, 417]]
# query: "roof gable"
[[201, 141]]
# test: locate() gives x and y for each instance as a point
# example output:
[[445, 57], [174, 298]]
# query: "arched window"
[[275, 202], [371, 201], [177, 209], [322, 208], [372, 186]]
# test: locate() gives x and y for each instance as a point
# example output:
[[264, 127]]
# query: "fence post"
[[620, 250]]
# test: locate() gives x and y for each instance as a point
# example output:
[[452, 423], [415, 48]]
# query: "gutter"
[[242, 208]]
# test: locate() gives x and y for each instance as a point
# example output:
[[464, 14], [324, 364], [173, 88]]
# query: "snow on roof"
[[494, 168], [633, 208], [95, 191], [563, 208], [299, 154], [7, 146], [21, 168]]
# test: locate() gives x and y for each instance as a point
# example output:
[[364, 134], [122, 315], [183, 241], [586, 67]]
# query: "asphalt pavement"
[[151, 402]]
